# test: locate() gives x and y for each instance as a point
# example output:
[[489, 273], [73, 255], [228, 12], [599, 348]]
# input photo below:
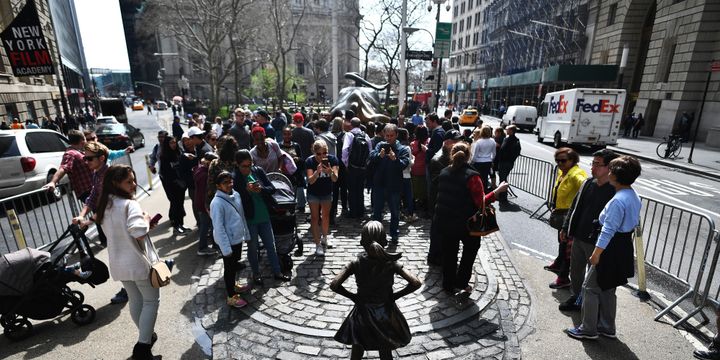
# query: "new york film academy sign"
[[25, 44]]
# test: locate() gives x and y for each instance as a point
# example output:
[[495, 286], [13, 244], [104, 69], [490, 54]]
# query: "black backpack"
[[359, 152]]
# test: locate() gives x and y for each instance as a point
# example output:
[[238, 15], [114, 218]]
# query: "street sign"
[[418, 55], [443, 34]]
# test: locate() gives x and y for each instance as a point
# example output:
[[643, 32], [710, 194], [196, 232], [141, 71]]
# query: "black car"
[[120, 136]]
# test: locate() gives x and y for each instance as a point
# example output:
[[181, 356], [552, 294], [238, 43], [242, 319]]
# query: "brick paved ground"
[[297, 320]]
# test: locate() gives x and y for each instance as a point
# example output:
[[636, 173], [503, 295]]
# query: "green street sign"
[[443, 31]]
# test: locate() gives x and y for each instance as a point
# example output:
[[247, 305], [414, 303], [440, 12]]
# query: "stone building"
[[31, 97], [519, 50]]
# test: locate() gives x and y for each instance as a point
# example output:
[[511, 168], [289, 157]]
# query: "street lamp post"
[[439, 74]]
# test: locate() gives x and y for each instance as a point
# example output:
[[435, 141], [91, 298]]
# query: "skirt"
[[375, 327]]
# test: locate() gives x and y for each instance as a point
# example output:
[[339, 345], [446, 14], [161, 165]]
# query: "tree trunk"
[[387, 91]]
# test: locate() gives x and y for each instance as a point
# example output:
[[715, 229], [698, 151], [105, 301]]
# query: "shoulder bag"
[[159, 271], [484, 222]]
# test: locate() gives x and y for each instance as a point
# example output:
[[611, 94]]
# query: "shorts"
[[318, 198]]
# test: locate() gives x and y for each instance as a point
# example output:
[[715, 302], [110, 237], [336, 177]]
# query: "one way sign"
[[418, 55]]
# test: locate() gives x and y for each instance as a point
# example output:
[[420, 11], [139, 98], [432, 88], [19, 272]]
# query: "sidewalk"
[[510, 315], [706, 160]]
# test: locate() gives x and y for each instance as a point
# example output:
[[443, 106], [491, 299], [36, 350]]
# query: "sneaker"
[[570, 305], [329, 242], [577, 333], [241, 289], [319, 251], [236, 301], [560, 283], [206, 252], [607, 334], [120, 297], [179, 230]]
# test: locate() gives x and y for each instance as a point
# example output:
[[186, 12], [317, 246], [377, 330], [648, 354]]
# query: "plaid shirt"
[[80, 174], [97, 180]]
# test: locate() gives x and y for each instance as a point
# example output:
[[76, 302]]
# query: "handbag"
[[485, 222], [159, 271], [557, 218]]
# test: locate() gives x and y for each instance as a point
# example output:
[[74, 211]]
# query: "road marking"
[[531, 250], [701, 210], [672, 188]]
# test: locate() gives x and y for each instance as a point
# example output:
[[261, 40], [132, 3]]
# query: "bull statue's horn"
[[359, 81]]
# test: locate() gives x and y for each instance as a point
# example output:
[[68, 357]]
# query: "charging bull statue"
[[362, 99]]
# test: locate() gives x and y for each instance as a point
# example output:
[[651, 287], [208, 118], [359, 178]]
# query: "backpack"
[[359, 152]]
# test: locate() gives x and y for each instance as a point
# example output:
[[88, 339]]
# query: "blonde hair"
[[459, 155], [319, 145], [476, 134], [97, 148]]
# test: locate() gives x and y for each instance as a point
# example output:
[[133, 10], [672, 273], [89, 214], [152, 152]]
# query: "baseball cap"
[[298, 117], [194, 131], [452, 135], [263, 113]]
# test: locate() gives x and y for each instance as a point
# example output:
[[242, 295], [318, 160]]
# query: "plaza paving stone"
[[297, 320]]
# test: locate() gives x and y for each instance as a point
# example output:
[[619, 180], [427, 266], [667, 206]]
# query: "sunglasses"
[[561, 161], [89, 158]]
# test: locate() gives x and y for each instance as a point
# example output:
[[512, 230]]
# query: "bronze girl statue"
[[375, 323]]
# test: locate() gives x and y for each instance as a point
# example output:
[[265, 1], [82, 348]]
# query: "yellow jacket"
[[568, 186]]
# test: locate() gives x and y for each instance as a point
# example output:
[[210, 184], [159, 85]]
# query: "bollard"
[[149, 173], [17, 230], [641, 293]]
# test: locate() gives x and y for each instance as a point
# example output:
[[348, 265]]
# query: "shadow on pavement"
[[57, 333]]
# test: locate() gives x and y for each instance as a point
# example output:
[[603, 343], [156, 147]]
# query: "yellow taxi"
[[469, 117], [138, 105]]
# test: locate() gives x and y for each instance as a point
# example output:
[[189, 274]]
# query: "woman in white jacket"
[[229, 230], [126, 226]]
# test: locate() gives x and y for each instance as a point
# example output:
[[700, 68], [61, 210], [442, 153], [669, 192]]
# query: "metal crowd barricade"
[[35, 218], [678, 243], [535, 177], [127, 160]]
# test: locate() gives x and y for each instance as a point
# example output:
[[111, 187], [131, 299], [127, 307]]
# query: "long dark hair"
[[113, 176], [226, 151], [167, 153], [372, 240]]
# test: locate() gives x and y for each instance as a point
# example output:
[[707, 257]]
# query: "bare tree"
[[203, 28], [314, 51], [370, 31], [388, 43], [280, 41]]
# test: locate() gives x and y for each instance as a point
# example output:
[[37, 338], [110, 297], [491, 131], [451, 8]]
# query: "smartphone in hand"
[[326, 162], [155, 219]]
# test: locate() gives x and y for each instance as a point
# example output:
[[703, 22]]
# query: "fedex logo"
[[558, 107], [603, 106]]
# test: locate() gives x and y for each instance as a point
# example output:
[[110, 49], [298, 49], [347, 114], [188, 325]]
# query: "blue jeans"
[[408, 197], [204, 224], [268, 238], [379, 196], [144, 302]]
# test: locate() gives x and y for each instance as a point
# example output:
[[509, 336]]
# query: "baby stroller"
[[33, 284], [282, 218]]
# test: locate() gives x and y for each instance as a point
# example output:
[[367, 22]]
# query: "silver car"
[[29, 159]]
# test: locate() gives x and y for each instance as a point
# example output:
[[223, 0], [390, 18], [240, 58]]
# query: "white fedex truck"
[[581, 116]]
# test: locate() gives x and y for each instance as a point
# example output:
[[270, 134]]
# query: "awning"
[[558, 73]]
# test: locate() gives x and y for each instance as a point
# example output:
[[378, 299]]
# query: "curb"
[[691, 169]]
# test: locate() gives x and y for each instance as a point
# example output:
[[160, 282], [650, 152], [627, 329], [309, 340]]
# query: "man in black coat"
[[506, 156]]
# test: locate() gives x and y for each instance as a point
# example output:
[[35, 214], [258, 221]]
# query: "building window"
[[612, 11], [467, 40], [453, 45], [462, 8], [301, 68], [462, 25], [455, 11], [454, 27], [470, 5]]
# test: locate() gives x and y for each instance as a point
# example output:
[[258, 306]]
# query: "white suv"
[[29, 159]]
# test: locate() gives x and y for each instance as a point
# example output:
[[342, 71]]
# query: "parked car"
[[161, 105], [29, 159], [120, 136], [138, 105], [524, 117], [469, 117], [103, 120]]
